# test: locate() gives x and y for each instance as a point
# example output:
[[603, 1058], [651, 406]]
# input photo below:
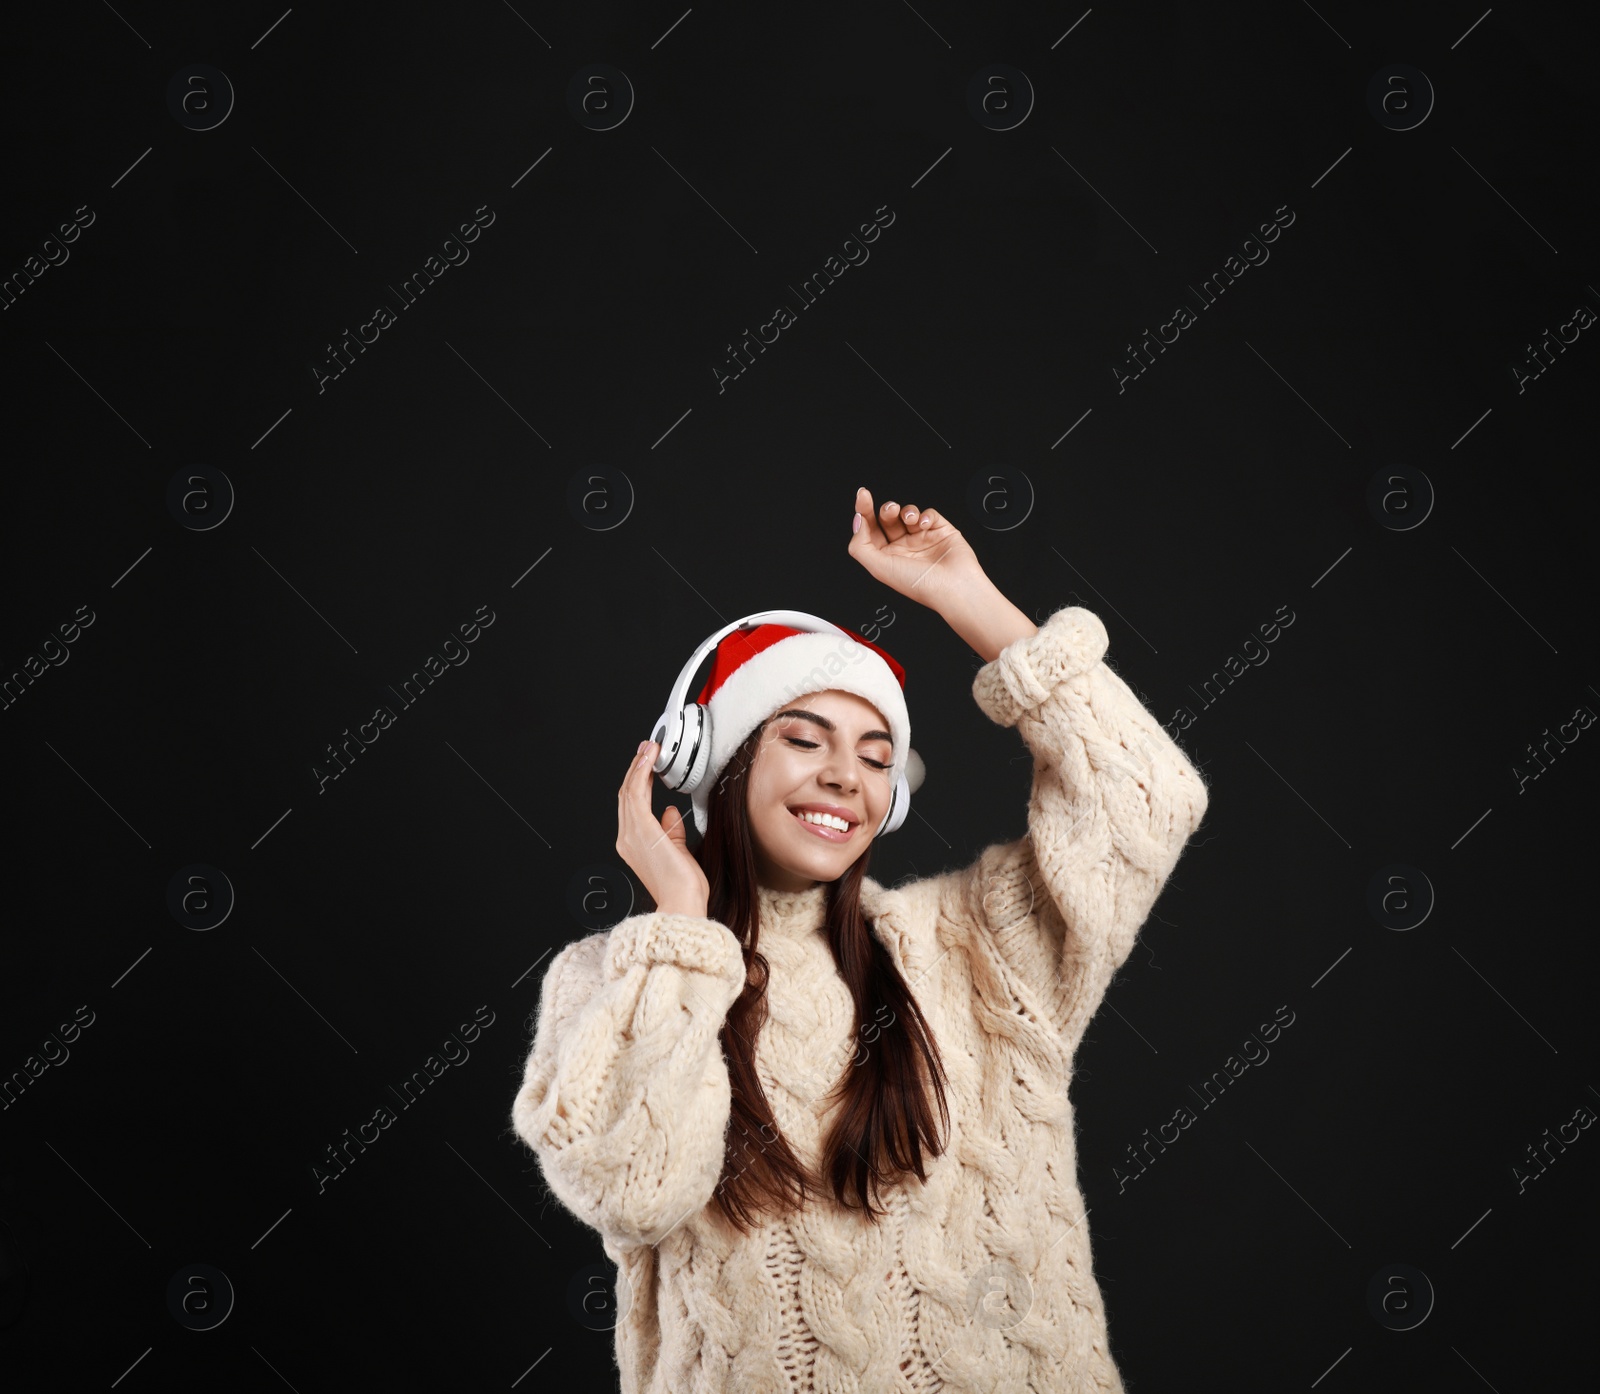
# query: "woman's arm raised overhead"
[[1114, 798], [1113, 803]]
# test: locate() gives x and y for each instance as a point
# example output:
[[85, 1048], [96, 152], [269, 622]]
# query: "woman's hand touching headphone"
[[658, 853], [917, 552]]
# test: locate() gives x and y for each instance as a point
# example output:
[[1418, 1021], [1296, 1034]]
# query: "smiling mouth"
[[827, 834]]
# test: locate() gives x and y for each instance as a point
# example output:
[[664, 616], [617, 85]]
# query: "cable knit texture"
[[981, 1278]]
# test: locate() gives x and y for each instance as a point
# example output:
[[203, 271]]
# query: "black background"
[[572, 357]]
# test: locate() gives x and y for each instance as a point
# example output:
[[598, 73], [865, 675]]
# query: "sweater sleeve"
[[1114, 801], [625, 1096]]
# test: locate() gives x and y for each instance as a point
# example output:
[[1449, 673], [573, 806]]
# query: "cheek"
[[777, 772], [770, 783]]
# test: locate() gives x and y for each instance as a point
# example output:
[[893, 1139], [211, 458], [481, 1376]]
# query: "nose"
[[841, 772]]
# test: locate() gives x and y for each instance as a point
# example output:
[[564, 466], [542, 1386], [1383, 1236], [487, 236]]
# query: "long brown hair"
[[885, 1120]]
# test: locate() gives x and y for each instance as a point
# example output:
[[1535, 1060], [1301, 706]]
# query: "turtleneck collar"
[[791, 913]]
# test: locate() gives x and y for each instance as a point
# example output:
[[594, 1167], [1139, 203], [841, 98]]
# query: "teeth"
[[827, 820]]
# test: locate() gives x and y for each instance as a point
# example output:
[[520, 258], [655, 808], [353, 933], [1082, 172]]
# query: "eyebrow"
[[827, 725]]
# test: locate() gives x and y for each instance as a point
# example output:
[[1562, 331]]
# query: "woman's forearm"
[[982, 616]]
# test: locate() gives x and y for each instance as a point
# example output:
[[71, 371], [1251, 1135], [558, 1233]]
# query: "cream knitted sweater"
[[981, 1278]]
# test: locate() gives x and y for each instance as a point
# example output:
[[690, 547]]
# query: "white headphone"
[[683, 731]]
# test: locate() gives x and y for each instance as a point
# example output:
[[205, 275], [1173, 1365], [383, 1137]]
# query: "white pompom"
[[916, 771]]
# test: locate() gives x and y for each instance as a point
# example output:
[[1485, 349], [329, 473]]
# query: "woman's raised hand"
[[917, 552], [658, 853]]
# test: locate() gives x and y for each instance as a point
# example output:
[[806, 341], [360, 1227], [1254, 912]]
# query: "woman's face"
[[827, 752]]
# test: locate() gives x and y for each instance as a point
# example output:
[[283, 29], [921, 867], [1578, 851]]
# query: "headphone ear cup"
[[671, 761], [899, 806], [699, 743], [688, 738]]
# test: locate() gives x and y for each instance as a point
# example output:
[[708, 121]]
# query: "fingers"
[[639, 772], [641, 760], [673, 825], [870, 531], [890, 521], [897, 521], [634, 813]]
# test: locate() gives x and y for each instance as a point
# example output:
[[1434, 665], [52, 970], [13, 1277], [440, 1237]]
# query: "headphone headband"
[[794, 619]]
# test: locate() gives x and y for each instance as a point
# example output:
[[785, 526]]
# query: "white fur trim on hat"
[[791, 668]]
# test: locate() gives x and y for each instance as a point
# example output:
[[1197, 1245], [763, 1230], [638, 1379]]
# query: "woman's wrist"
[[985, 619]]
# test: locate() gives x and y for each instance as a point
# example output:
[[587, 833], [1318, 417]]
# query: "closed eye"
[[812, 745]]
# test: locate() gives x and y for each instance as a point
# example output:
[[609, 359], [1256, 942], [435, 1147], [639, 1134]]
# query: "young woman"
[[821, 1125]]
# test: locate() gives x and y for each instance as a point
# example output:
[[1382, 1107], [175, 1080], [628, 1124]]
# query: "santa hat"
[[757, 672]]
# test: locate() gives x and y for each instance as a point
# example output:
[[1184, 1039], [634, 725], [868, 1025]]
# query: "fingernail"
[[642, 745], [855, 523]]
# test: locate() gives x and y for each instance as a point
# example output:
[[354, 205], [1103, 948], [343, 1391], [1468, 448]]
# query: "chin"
[[793, 852]]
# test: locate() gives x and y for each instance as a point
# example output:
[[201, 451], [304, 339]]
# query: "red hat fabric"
[[742, 645]]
